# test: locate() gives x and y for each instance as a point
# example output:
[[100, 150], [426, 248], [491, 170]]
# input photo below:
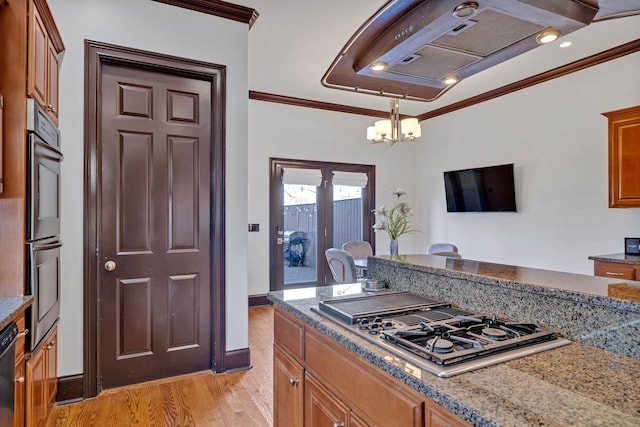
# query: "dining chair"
[[342, 266], [441, 247], [358, 248]]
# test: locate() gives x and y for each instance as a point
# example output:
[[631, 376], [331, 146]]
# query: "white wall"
[[283, 131], [553, 132], [169, 30], [556, 136]]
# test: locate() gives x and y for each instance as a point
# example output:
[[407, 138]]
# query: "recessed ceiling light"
[[465, 10], [378, 66], [449, 80], [547, 36], [565, 44]]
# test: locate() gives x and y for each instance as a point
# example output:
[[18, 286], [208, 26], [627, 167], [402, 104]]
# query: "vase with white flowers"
[[396, 220]]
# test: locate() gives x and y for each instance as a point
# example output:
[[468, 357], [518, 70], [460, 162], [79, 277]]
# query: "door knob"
[[110, 265]]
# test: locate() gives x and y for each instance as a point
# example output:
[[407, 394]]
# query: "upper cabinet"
[[624, 157], [45, 46]]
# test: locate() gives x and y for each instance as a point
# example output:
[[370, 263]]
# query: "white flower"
[[399, 192], [395, 221]]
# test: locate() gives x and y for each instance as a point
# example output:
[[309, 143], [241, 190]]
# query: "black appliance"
[[8, 338], [43, 223], [436, 336], [486, 189]]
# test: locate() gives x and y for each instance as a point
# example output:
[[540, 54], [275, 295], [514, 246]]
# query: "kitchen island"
[[576, 384]]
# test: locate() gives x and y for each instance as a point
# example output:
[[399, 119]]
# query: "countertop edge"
[[11, 307], [617, 258]]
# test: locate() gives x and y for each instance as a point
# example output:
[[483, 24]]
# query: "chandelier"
[[389, 130]]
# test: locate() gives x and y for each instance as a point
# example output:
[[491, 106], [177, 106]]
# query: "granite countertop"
[[548, 282], [11, 307], [571, 385], [620, 258]]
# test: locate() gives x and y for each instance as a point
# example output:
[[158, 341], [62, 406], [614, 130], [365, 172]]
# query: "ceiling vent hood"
[[409, 48]]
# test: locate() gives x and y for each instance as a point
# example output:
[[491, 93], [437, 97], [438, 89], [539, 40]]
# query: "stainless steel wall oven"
[[43, 223]]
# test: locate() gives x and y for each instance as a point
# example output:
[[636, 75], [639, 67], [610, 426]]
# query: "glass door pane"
[[300, 234], [347, 214]]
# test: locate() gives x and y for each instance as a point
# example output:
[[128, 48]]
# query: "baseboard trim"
[[237, 360], [259, 300], [70, 389]]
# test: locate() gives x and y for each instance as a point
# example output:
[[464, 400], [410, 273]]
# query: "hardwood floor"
[[201, 399]]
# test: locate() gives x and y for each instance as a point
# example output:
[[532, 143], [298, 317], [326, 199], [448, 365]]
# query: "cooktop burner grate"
[[441, 339]]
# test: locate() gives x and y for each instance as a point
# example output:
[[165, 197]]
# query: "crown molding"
[[581, 64], [219, 8], [572, 67], [308, 103]]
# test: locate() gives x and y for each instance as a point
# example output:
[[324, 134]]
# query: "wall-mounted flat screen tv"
[[486, 189]]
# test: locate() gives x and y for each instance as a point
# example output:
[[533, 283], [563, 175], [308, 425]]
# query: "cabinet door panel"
[[624, 151], [36, 389], [53, 66], [19, 393], [288, 390], [322, 409], [38, 52], [52, 369]]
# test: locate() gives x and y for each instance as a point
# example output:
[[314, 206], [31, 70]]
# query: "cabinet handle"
[[20, 380], [609, 273], [23, 333], [50, 108], [51, 344], [340, 424], [294, 381]]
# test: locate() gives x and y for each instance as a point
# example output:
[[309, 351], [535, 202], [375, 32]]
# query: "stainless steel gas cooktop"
[[436, 336]]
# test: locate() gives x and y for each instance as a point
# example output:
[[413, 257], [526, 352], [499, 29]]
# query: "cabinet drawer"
[[288, 332], [375, 396], [615, 270]]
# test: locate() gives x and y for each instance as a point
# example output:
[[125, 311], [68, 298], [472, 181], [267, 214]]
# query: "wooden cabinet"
[[19, 405], [45, 46], [1, 133], [288, 390], [41, 384], [322, 408], [437, 416], [335, 387], [624, 157], [616, 270]]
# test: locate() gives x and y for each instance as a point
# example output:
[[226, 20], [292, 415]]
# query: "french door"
[[315, 206]]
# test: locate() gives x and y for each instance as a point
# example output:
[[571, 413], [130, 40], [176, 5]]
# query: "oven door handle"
[[58, 153], [47, 247]]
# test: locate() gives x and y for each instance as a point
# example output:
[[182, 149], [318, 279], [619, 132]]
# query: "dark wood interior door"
[[154, 218]]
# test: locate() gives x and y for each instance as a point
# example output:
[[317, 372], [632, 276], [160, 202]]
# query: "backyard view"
[[300, 225]]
